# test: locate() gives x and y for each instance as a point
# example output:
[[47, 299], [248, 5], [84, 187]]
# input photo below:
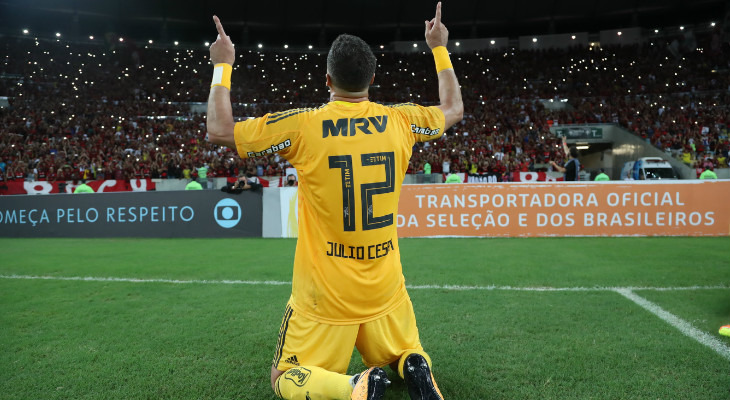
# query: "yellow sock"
[[305, 383], [408, 353]]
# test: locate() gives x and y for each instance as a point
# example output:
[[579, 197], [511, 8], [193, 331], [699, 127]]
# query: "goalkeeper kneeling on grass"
[[351, 155]]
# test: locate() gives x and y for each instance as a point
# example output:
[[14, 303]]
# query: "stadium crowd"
[[120, 111]]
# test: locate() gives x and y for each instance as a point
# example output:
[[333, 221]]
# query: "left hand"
[[222, 50]]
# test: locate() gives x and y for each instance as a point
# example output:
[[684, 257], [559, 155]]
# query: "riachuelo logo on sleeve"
[[227, 213]]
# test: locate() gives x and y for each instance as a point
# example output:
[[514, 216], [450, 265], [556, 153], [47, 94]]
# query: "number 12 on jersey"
[[367, 190]]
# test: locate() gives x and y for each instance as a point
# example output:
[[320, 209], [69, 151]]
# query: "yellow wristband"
[[441, 56], [222, 75]]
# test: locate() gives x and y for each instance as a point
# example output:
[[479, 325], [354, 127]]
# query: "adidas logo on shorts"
[[292, 360]]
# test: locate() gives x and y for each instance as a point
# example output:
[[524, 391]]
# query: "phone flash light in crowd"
[[206, 44], [712, 24], [573, 37], [121, 39], [415, 44], [149, 41], [493, 42], [58, 34], [260, 46], [534, 40], [25, 31], [310, 47], [177, 43]]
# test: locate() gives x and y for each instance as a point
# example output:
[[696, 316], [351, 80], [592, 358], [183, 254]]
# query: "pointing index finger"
[[218, 26], [438, 13]]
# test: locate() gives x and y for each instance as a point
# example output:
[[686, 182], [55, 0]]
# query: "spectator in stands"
[[687, 155], [699, 169], [572, 166]]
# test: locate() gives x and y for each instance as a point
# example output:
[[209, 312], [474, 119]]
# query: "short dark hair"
[[351, 63], [573, 152]]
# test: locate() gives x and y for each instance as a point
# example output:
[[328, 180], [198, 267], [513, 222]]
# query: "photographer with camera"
[[244, 182]]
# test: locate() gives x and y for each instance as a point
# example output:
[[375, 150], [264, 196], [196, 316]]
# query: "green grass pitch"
[[541, 318]]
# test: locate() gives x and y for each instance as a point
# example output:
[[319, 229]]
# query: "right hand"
[[222, 50], [436, 32]]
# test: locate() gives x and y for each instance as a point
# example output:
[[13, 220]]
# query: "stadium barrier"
[[192, 213], [616, 208]]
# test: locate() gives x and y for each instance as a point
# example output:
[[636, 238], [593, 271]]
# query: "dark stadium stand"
[[120, 110]]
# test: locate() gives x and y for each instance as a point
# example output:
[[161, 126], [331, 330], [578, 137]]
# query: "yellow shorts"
[[380, 342]]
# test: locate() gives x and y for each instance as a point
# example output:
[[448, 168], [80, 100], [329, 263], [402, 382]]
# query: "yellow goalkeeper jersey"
[[351, 159]]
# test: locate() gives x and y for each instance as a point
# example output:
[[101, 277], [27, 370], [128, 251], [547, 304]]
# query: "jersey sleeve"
[[427, 123], [272, 133]]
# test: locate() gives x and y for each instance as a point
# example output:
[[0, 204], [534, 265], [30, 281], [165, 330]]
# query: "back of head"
[[573, 152], [351, 63]]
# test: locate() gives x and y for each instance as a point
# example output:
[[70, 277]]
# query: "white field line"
[[140, 280], [628, 292], [683, 326], [413, 287]]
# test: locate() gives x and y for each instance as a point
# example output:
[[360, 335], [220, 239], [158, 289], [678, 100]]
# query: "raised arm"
[[566, 149], [220, 113], [437, 36]]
